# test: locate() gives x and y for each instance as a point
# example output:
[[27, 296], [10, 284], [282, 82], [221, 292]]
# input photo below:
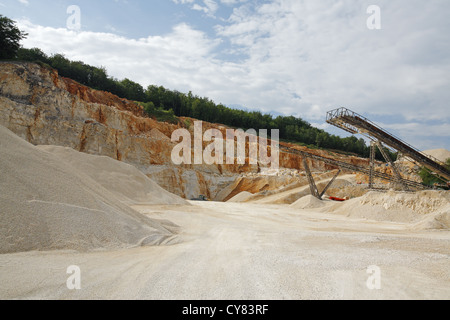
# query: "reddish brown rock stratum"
[[46, 109]]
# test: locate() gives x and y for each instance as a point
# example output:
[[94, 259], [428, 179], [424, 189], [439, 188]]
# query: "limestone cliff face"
[[46, 109]]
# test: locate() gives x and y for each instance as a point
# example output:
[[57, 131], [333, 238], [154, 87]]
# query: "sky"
[[283, 57]]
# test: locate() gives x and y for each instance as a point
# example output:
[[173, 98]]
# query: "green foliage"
[[132, 90], [429, 179], [159, 113], [33, 55], [187, 123], [10, 37]]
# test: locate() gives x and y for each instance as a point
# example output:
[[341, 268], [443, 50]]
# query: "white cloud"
[[231, 2], [209, 7], [323, 52], [433, 137], [175, 60], [183, 1]]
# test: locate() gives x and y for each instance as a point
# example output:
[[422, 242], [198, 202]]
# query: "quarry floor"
[[246, 251]]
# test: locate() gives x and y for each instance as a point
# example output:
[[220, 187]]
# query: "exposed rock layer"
[[46, 109]]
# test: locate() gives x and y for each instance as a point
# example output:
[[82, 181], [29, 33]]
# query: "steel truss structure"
[[356, 124]]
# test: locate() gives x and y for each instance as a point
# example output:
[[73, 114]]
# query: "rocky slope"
[[46, 109]]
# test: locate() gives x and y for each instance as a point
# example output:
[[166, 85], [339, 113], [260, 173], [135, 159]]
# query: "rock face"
[[46, 109]]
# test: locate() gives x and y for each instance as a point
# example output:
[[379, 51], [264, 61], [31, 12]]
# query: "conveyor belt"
[[354, 123], [351, 167]]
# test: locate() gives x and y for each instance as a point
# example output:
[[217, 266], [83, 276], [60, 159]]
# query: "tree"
[[10, 37], [32, 55], [429, 178], [133, 91], [99, 78]]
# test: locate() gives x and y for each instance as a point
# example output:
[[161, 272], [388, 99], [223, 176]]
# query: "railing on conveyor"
[[354, 123]]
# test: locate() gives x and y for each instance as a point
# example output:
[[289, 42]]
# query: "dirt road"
[[246, 251]]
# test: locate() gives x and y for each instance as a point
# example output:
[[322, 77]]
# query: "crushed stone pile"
[[241, 197], [308, 202], [47, 204], [440, 154], [423, 210], [125, 181]]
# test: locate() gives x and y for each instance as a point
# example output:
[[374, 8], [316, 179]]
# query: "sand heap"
[[47, 204], [344, 186], [440, 154], [127, 183], [308, 202], [241, 197], [423, 210]]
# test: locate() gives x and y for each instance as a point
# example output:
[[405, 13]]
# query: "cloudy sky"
[[290, 57]]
